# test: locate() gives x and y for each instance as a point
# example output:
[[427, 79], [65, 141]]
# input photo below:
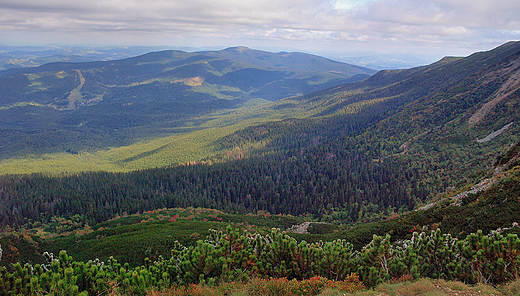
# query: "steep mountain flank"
[[449, 119], [416, 120]]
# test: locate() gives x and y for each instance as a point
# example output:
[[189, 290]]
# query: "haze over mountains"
[[33, 56]]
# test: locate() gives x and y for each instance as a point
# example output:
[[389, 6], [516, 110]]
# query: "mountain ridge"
[[125, 99]]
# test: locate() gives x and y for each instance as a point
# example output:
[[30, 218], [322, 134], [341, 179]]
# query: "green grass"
[[20, 104], [133, 243], [195, 142], [131, 238], [189, 146], [179, 148]]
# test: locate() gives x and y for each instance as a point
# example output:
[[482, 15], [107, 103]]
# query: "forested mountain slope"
[[460, 127], [77, 107], [490, 204], [447, 121], [365, 150]]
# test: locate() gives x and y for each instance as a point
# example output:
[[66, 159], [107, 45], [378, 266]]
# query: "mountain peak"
[[239, 48]]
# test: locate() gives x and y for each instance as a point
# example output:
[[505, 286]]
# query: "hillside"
[[471, 240], [357, 153], [423, 111], [489, 204], [81, 107], [410, 173], [446, 121]]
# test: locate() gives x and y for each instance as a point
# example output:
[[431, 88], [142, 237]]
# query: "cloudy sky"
[[438, 27]]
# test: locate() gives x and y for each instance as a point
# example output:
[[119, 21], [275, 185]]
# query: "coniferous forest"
[[316, 173], [408, 174]]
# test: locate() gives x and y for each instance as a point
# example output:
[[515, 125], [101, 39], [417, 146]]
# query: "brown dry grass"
[[282, 287]]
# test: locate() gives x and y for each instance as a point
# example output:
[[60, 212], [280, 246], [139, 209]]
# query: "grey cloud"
[[45, 6], [398, 21]]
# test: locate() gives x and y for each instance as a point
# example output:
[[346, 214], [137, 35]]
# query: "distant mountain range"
[[33, 56], [91, 105], [387, 61]]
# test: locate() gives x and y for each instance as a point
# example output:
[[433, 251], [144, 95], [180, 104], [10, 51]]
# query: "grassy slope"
[[179, 148], [130, 238], [195, 142]]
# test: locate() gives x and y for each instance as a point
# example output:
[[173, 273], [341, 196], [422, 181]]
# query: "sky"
[[348, 27]]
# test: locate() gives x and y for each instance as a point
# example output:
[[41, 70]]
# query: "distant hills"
[[386, 61], [33, 56], [242, 73], [74, 107]]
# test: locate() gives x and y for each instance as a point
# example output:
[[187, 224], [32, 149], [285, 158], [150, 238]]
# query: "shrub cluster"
[[233, 256]]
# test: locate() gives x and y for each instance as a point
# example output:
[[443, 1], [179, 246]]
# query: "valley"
[[60, 111], [410, 173]]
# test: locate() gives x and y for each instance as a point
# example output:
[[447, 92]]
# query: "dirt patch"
[[510, 86], [194, 81], [302, 228], [75, 95], [494, 134], [484, 185]]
